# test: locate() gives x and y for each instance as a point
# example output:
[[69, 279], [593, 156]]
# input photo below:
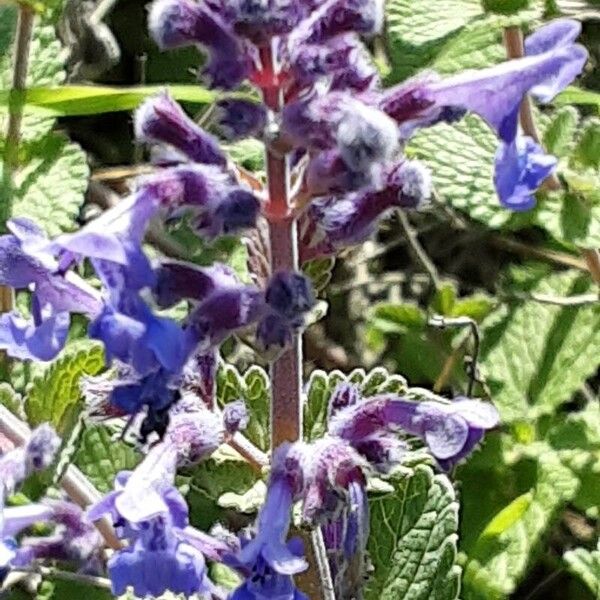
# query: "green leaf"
[[249, 154], [497, 563], [574, 95], [461, 159], [320, 272], [507, 517], [446, 35], [55, 396], [321, 385], [398, 318], [560, 133], [535, 356], [11, 399], [586, 565], [78, 100], [587, 152], [50, 186], [220, 482], [413, 540], [100, 457], [254, 388]]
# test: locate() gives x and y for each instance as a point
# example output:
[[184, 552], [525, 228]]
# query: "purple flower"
[[334, 17], [343, 60], [74, 539], [161, 119], [133, 334], [177, 23], [353, 218], [551, 63], [451, 431], [260, 20], [235, 416], [37, 454], [237, 119], [267, 561], [289, 296], [12, 521], [158, 558], [27, 261]]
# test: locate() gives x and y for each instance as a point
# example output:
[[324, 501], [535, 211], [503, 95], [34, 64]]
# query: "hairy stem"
[[286, 370], [286, 384]]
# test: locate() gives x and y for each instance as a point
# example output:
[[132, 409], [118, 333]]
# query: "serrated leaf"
[[254, 388], [321, 385], [575, 95], [413, 540], [249, 154], [50, 186], [224, 473], [55, 395], [535, 356], [497, 564], [320, 272], [446, 35], [560, 133], [100, 456], [461, 159], [586, 565], [587, 151]]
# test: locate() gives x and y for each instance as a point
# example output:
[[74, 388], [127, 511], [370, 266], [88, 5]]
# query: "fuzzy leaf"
[[535, 356], [586, 565], [500, 559], [11, 399], [321, 385], [413, 548], [587, 152], [320, 272], [55, 395], [560, 133], [216, 484], [254, 388], [50, 187], [100, 457]]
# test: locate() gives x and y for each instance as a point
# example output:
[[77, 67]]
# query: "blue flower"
[[27, 261], [267, 561], [551, 63]]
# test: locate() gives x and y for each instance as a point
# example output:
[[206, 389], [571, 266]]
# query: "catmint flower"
[[179, 23], [27, 261], [235, 416], [344, 395], [289, 296], [450, 431], [37, 454], [260, 20], [199, 379], [74, 539], [12, 521], [345, 221], [133, 334], [551, 63], [161, 120], [334, 17], [267, 561], [237, 118]]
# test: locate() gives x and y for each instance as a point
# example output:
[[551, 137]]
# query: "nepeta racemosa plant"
[[334, 141]]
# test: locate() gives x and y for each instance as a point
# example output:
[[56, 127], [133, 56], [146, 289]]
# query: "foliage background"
[[521, 519]]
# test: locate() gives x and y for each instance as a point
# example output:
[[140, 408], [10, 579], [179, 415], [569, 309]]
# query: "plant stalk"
[[286, 370]]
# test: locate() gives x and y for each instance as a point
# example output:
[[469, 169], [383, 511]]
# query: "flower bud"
[[161, 119]]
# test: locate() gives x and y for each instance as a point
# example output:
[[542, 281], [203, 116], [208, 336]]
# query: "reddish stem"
[[286, 370]]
